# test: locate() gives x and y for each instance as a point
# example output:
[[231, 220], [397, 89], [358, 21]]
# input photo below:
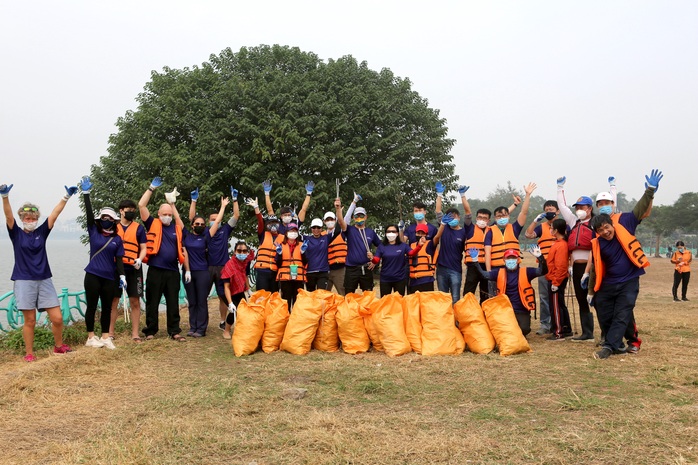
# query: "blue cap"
[[584, 200]]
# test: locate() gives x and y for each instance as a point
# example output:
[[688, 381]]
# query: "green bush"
[[13, 341]]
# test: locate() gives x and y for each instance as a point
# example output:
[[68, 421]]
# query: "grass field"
[[163, 402]]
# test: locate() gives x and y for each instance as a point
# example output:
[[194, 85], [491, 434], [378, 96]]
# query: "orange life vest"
[[546, 239], [422, 264], [501, 243], [476, 242], [128, 236], [266, 254], [154, 237], [630, 245], [337, 250], [288, 259], [526, 292]]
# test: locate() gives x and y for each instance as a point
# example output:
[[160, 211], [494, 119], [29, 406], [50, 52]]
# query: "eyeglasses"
[[30, 209], [391, 231], [242, 251], [199, 224]]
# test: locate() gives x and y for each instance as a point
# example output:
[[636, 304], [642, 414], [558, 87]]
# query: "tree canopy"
[[278, 113]]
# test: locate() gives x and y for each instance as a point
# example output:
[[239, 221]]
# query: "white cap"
[[359, 211], [604, 196], [109, 212], [316, 222], [328, 215]]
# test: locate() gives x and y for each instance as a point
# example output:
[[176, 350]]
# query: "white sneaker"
[[94, 342], [108, 343]]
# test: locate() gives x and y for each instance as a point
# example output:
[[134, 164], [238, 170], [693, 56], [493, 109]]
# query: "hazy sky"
[[530, 89]]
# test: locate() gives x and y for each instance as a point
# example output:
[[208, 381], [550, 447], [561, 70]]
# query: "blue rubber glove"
[[267, 186], [446, 218], [357, 197], [304, 246], [156, 182], [279, 249], [462, 190], [234, 194], [474, 254], [584, 283], [611, 181], [5, 190], [85, 185], [71, 191], [439, 188], [122, 282], [561, 181], [540, 218], [401, 225], [195, 195], [309, 187], [653, 179]]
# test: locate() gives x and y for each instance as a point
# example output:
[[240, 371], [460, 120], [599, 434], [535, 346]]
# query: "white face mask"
[[286, 219], [330, 224], [391, 236], [30, 226], [481, 223], [292, 235], [581, 214], [166, 220]]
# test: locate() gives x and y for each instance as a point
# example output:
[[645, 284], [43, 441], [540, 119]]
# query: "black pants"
[[266, 280], [426, 287], [473, 278], [559, 314], [161, 282], [683, 279], [197, 295], [289, 291], [319, 280], [586, 318], [389, 288], [236, 298], [102, 290], [355, 276], [524, 321], [614, 307]]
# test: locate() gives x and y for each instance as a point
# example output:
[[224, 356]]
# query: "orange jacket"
[[684, 257], [558, 262]]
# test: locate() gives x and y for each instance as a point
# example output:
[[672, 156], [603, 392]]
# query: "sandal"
[[149, 337], [137, 340], [178, 338]]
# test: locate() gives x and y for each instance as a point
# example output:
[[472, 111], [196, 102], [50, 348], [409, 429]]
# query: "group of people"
[[598, 252]]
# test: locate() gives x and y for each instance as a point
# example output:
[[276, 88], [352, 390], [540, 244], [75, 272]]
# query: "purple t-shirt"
[[104, 263], [619, 268], [166, 258], [452, 247], [356, 248], [218, 245], [411, 232], [196, 249], [513, 285], [393, 261], [316, 253], [31, 262]]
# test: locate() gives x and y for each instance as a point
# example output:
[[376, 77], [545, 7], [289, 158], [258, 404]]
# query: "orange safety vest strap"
[[501, 243], [266, 254], [526, 292], [476, 242], [288, 259], [154, 240], [130, 239], [337, 251], [423, 264]]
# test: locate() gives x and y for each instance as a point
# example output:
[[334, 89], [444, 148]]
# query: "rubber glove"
[[5, 190], [85, 185], [267, 187], [187, 277], [474, 254], [569, 271], [590, 300], [304, 246], [309, 187], [69, 192], [585, 281], [401, 225], [357, 197], [234, 194], [540, 218], [561, 181], [156, 182], [611, 181], [553, 288], [171, 197], [279, 249], [653, 179], [446, 218], [234, 310], [137, 264], [535, 251], [252, 202], [195, 195], [462, 190], [440, 188], [122, 282]]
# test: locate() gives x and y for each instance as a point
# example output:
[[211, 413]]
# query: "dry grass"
[[195, 403]]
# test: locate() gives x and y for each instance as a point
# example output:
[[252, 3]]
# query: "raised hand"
[[252, 202], [85, 185], [357, 197], [70, 191], [535, 250], [530, 188], [440, 188], [540, 218], [266, 185], [401, 225], [224, 201], [462, 190], [653, 179], [309, 187], [234, 194], [156, 182], [5, 190], [195, 195], [561, 181], [611, 181], [171, 197], [446, 218]]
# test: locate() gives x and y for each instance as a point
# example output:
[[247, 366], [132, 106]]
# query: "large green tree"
[[278, 113]]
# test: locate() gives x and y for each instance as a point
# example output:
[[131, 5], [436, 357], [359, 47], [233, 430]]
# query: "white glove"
[[585, 281], [254, 203], [357, 197], [187, 277], [122, 282], [171, 197], [233, 309], [569, 271], [137, 264], [535, 251], [590, 297], [540, 218], [554, 288]]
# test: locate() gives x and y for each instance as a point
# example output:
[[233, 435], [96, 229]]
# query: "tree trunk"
[[656, 252]]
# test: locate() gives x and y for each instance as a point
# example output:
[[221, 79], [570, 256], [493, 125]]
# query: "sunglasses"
[[30, 209], [360, 215], [392, 231], [199, 224], [242, 251]]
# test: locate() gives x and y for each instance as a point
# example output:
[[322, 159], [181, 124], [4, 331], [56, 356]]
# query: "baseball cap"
[[583, 200], [423, 228], [511, 253], [360, 211], [317, 222], [328, 215], [604, 196], [108, 212], [292, 226]]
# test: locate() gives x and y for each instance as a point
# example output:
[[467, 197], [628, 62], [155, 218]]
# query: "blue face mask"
[[241, 256], [681, 249], [607, 209], [210, 224], [419, 216], [453, 223], [511, 263], [502, 221]]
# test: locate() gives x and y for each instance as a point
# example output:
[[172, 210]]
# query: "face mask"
[[106, 225], [130, 216], [511, 263], [360, 222], [330, 224], [286, 219], [241, 256], [607, 209], [681, 249], [550, 215], [292, 235], [581, 214], [481, 224], [391, 236], [199, 229], [453, 223], [30, 226], [210, 224], [166, 220], [502, 221], [419, 216]]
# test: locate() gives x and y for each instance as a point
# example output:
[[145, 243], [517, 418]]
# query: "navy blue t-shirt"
[[167, 257], [316, 253], [104, 263], [393, 261], [619, 268], [218, 245], [31, 261], [452, 247], [356, 248], [196, 249]]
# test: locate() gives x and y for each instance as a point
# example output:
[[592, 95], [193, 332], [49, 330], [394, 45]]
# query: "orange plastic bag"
[[327, 337], [460, 341], [412, 320], [473, 325], [438, 337], [366, 309], [260, 297], [390, 326], [248, 328], [303, 324], [350, 326], [275, 320], [505, 329]]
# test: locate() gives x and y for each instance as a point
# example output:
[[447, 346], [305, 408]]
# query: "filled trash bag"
[[327, 337], [436, 313], [302, 324], [248, 328], [505, 329], [473, 325], [390, 326], [350, 326], [365, 301], [275, 320], [412, 321]]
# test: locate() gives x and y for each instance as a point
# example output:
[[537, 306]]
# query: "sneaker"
[[108, 343], [221, 325], [94, 342], [30, 358], [63, 349], [196, 335], [543, 331], [553, 337], [190, 333], [583, 338], [570, 334], [632, 349], [603, 353], [676, 299], [226, 335], [684, 299]]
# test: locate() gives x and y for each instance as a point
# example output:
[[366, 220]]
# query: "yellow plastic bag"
[[248, 328], [505, 329], [460, 341], [303, 324], [473, 325], [413, 322], [390, 326], [367, 302], [260, 297], [275, 320], [327, 337], [438, 337], [350, 326]]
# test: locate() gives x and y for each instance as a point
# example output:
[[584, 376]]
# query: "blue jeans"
[[448, 280], [544, 307]]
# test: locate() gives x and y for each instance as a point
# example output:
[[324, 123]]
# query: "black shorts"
[[134, 283]]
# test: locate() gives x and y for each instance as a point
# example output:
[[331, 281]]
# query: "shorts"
[[35, 295], [214, 274], [134, 283]]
